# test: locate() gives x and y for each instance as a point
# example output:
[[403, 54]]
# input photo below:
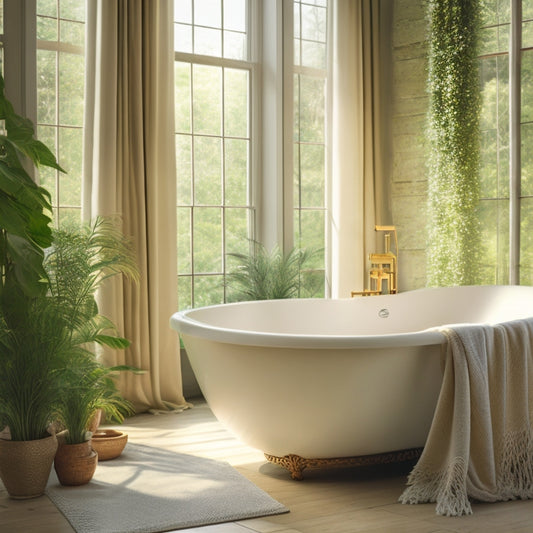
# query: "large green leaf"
[[35, 150], [14, 219], [119, 343], [39, 230], [13, 180], [16, 183], [11, 219], [27, 264], [21, 135], [126, 368], [24, 205]]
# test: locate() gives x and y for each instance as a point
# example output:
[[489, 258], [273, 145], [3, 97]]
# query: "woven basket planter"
[[25, 466], [75, 463], [109, 443]]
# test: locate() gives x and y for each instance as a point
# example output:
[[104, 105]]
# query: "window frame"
[[60, 48], [252, 66], [514, 54], [19, 46], [316, 73]]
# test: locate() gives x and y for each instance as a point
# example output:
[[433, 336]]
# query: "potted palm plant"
[[78, 262], [49, 319], [92, 388], [33, 344]]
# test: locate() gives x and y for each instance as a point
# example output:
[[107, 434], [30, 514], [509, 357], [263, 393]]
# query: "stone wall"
[[408, 124]]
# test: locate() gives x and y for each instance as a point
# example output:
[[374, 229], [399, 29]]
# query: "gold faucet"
[[383, 274]]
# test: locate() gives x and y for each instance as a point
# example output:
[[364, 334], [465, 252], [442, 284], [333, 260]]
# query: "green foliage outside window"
[[272, 275], [213, 166], [454, 246]]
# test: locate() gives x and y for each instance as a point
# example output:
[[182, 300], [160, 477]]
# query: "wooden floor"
[[335, 501]]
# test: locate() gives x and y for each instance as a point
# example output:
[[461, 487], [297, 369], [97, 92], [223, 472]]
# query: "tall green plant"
[[264, 275], [91, 387], [48, 368], [25, 224], [454, 245], [49, 319], [33, 356], [34, 344], [77, 264]]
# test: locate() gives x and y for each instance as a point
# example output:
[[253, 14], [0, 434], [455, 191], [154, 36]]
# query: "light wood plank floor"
[[334, 501]]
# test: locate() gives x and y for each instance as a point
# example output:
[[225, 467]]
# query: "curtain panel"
[[130, 171], [358, 139]]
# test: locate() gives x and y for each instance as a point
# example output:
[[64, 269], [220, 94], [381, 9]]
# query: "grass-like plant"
[[49, 319], [76, 265], [454, 239], [33, 356], [48, 368], [267, 275], [90, 387], [33, 340]]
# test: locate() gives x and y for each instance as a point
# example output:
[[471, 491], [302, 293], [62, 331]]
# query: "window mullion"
[[288, 125], [514, 140], [20, 58]]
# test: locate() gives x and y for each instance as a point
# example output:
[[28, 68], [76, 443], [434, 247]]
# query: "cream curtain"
[[357, 138], [129, 170]]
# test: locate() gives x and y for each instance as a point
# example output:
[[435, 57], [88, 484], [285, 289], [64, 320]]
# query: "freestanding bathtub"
[[314, 382]]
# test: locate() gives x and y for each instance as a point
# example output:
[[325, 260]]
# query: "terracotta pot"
[[25, 466], [75, 463]]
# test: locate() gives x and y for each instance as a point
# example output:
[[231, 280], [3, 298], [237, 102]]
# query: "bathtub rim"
[[186, 325]]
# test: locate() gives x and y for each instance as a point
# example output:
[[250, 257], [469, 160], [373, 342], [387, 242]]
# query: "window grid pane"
[[213, 141], [494, 174], [526, 120], [495, 138], [310, 33], [217, 28], [60, 100], [309, 138]]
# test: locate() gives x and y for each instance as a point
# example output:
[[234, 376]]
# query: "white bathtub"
[[321, 378]]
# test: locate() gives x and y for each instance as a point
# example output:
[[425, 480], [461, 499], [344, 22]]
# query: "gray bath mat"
[[150, 490]]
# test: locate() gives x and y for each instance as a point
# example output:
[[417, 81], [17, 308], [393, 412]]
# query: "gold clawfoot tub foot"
[[293, 463], [296, 464]]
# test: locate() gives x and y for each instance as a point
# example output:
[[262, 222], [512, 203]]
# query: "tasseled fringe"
[[447, 489], [515, 479]]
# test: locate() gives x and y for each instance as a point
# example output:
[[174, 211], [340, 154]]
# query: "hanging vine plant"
[[454, 136]]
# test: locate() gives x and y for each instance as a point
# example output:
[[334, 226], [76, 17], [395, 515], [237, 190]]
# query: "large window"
[[60, 100], [217, 77], [506, 210], [213, 77], [220, 86]]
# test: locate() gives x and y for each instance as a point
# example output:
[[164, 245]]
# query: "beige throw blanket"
[[480, 444]]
